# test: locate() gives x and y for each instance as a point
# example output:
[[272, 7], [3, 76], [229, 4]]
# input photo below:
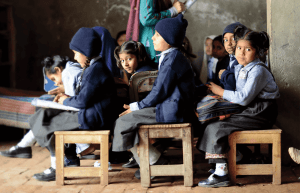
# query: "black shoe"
[[160, 161], [46, 177], [90, 156], [215, 181], [75, 162], [20, 152], [131, 164]]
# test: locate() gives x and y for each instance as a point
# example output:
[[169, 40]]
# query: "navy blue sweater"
[[96, 98], [173, 90], [227, 78]]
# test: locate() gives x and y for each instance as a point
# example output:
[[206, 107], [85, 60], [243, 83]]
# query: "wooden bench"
[[271, 136], [100, 137], [182, 131]]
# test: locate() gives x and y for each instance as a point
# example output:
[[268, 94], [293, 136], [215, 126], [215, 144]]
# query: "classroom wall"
[[283, 28]]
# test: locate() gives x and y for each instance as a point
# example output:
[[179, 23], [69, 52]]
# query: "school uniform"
[[170, 100], [71, 77], [228, 78], [223, 64], [257, 91]]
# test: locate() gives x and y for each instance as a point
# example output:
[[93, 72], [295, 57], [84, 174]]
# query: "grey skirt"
[[45, 122], [126, 128], [260, 114]]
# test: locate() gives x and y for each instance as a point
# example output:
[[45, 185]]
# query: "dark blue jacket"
[[173, 90], [96, 98], [227, 78]]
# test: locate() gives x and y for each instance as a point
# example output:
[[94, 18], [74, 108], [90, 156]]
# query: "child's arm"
[[148, 17], [58, 90], [255, 82], [227, 79]]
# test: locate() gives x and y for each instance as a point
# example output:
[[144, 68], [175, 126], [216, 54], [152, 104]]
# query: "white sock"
[[154, 154], [28, 140], [53, 165], [221, 169], [80, 147]]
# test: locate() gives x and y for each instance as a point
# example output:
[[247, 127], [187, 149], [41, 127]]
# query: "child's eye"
[[122, 61], [248, 49], [239, 48], [233, 38], [129, 59], [225, 40]]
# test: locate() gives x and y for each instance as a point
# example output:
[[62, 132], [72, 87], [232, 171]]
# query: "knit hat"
[[172, 30], [230, 28], [87, 42]]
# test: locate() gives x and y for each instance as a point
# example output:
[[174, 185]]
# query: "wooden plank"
[[59, 154], [144, 157], [162, 126], [82, 138], [167, 170], [82, 171], [187, 156], [165, 133], [261, 131], [104, 159], [254, 169], [276, 159], [249, 138], [103, 132], [232, 158]]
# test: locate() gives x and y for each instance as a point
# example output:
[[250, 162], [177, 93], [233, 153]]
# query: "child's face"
[[56, 77], [80, 58], [121, 39], [229, 42], [244, 52], [159, 43], [208, 46], [129, 62], [219, 51]]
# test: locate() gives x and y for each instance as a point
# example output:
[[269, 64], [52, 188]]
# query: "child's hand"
[[215, 89], [62, 98], [178, 6], [57, 97], [127, 111], [58, 90], [221, 72]]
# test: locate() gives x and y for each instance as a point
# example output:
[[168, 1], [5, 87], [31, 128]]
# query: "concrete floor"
[[16, 176]]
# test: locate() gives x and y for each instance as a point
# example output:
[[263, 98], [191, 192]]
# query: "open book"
[[50, 104]]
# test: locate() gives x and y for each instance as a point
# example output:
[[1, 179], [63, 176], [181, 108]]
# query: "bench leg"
[[144, 157], [104, 160], [232, 158], [276, 159], [59, 153], [187, 156]]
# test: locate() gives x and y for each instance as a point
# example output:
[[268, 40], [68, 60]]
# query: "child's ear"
[[57, 70]]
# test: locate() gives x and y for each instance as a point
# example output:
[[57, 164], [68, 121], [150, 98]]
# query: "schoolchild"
[[132, 57], [221, 55], [65, 74], [256, 90], [143, 17], [95, 97], [121, 37], [171, 98], [209, 62], [227, 76]]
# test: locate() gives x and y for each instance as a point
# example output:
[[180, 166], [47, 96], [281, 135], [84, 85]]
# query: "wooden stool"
[[272, 136], [182, 131], [62, 137]]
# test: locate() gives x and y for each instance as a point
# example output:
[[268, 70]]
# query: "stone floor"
[[16, 176]]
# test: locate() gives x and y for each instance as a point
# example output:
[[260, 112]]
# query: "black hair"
[[219, 38], [132, 47], [120, 34], [259, 40], [50, 63], [186, 49]]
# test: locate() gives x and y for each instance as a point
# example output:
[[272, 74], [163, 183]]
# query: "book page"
[[50, 104]]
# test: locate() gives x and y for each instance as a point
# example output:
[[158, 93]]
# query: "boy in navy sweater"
[[171, 98]]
